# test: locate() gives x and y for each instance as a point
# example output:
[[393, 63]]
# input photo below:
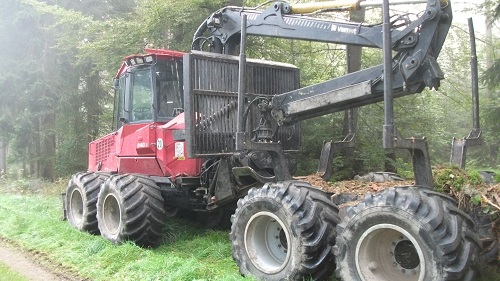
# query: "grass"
[[8, 275], [188, 252]]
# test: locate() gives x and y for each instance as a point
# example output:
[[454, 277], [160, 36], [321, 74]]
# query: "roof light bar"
[[139, 59]]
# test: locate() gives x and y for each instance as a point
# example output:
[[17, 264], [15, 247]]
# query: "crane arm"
[[416, 44]]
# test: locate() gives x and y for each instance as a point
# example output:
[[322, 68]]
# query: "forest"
[[60, 58]]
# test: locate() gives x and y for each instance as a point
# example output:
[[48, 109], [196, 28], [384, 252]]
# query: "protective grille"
[[211, 101], [103, 148]]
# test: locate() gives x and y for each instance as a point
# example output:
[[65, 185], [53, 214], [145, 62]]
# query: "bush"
[[450, 178], [475, 178]]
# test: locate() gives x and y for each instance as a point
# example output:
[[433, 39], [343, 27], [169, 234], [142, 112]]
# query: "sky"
[[463, 9]]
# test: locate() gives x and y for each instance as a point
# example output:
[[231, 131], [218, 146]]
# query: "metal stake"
[[474, 76], [240, 125], [388, 132]]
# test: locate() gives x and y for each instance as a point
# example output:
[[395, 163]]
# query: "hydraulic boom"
[[416, 44]]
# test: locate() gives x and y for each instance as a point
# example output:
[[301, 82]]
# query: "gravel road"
[[30, 265]]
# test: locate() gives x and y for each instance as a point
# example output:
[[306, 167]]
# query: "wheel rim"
[[388, 252], [266, 242], [111, 214], [76, 207]]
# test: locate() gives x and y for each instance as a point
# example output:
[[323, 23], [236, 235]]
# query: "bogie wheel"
[[284, 231], [130, 207], [81, 199], [406, 233]]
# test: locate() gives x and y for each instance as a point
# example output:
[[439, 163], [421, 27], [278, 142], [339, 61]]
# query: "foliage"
[[449, 178], [468, 189], [475, 178], [171, 24], [490, 77], [452, 177], [60, 102]]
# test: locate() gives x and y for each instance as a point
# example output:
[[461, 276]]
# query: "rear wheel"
[[81, 199], [284, 231], [130, 207], [406, 233]]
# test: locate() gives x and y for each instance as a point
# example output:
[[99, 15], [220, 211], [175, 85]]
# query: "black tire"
[[81, 199], [130, 207], [406, 233], [284, 231]]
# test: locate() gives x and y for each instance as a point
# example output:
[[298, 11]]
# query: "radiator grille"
[[211, 101]]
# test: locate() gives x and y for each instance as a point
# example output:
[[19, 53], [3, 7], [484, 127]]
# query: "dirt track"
[[29, 265]]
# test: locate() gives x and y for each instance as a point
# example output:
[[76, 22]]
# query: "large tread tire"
[[284, 231], [131, 207], [406, 233], [81, 199]]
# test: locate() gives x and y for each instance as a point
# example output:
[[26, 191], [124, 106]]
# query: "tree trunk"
[[46, 138], [46, 167], [93, 95], [390, 161], [3, 158], [353, 60], [494, 146], [34, 150]]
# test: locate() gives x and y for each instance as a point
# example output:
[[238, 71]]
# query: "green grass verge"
[[6, 274], [189, 252]]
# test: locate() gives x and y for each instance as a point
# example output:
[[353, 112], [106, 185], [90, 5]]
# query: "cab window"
[[169, 88], [141, 95]]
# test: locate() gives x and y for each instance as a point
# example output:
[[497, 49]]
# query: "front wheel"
[[284, 231], [130, 207], [406, 233], [81, 198]]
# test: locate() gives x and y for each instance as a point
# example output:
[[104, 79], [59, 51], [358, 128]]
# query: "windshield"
[[141, 95]]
